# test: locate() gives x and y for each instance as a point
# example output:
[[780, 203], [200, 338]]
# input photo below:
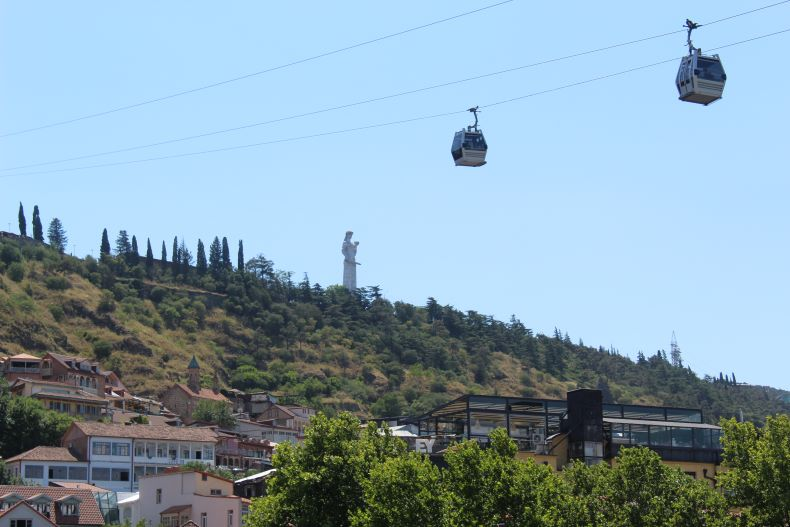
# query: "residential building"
[[43, 464], [555, 432], [71, 400], [175, 497], [288, 416], [59, 506], [119, 455], [253, 486], [274, 434], [243, 453], [184, 398]]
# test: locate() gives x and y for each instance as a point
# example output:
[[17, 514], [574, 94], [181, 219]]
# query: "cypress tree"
[[134, 256], [226, 255], [38, 229], [164, 253], [176, 257], [186, 258], [202, 264], [22, 221], [149, 256], [57, 235], [240, 261], [105, 243], [215, 257]]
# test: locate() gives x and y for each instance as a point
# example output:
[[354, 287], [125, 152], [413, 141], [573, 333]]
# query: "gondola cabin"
[[469, 148], [700, 78]]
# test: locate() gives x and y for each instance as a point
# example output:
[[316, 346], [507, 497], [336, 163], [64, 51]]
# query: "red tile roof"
[[44, 453], [164, 432], [89, 509]]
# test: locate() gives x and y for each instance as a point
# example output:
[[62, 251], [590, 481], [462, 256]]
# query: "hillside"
[[323, 346]]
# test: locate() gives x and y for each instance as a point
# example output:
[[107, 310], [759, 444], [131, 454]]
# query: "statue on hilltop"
[[350, 262]]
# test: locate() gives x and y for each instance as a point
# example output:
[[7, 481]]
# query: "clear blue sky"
[[610, 210]]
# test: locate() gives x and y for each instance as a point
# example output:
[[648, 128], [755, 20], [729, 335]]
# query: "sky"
[[610, 210]]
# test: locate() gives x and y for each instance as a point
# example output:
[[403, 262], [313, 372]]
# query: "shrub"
[[16, 272], [57, 283], [10, 254], [102, 349], [106, 304], [157, 294], [57, 313]]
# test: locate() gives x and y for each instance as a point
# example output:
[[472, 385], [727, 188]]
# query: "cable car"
[[700, 77], [469, 146]]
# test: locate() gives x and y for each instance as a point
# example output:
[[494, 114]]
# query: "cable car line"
[[381, 125], [381, 98], [255, 73]]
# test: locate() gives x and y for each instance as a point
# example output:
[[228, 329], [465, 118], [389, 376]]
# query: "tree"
[[401, 492], [164, 253], [105, 243], [149, 255], [186, 258], [320, 482], [38, 229], [57, 235], [134, 254], [122, 245], [22, 221], [215, 257], [25, 424], [7, 477], [202, 264], [176, 257], [214, 412], [758, 475], [226, 255], [240, 259]]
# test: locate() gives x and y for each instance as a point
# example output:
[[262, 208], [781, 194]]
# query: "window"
[[100, 474], [101, 448], [208, 452], [159, 495], [34, 471], [216, 492], [160, 449], [139, 449], [230, 518], [204, 477], [119, 474], [203, 520], [58, 472], [185, 452], [120, 449], [69, 509], [79, 473], [21, 523]]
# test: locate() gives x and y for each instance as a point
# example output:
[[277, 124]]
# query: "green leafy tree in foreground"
[[22, 221], [758, 478], [25, 423], [57, 235], [320, 482], [38, 228], [214, 412]]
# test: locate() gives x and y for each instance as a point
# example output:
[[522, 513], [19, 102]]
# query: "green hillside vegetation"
[[262, 330]]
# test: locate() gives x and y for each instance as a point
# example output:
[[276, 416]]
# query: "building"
[[43, 464], [243, 453], [118, 456], [54, 367], [184, 398], [253, 486], [175, 497], [274, 434], [58, 506], [71, 400], [555, 432], [293, 417]]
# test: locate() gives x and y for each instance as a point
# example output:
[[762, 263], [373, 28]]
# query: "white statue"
[[350, 262]]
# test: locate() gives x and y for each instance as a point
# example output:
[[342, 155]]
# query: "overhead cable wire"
[[381, 98], [256, 73], [381, 125]]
